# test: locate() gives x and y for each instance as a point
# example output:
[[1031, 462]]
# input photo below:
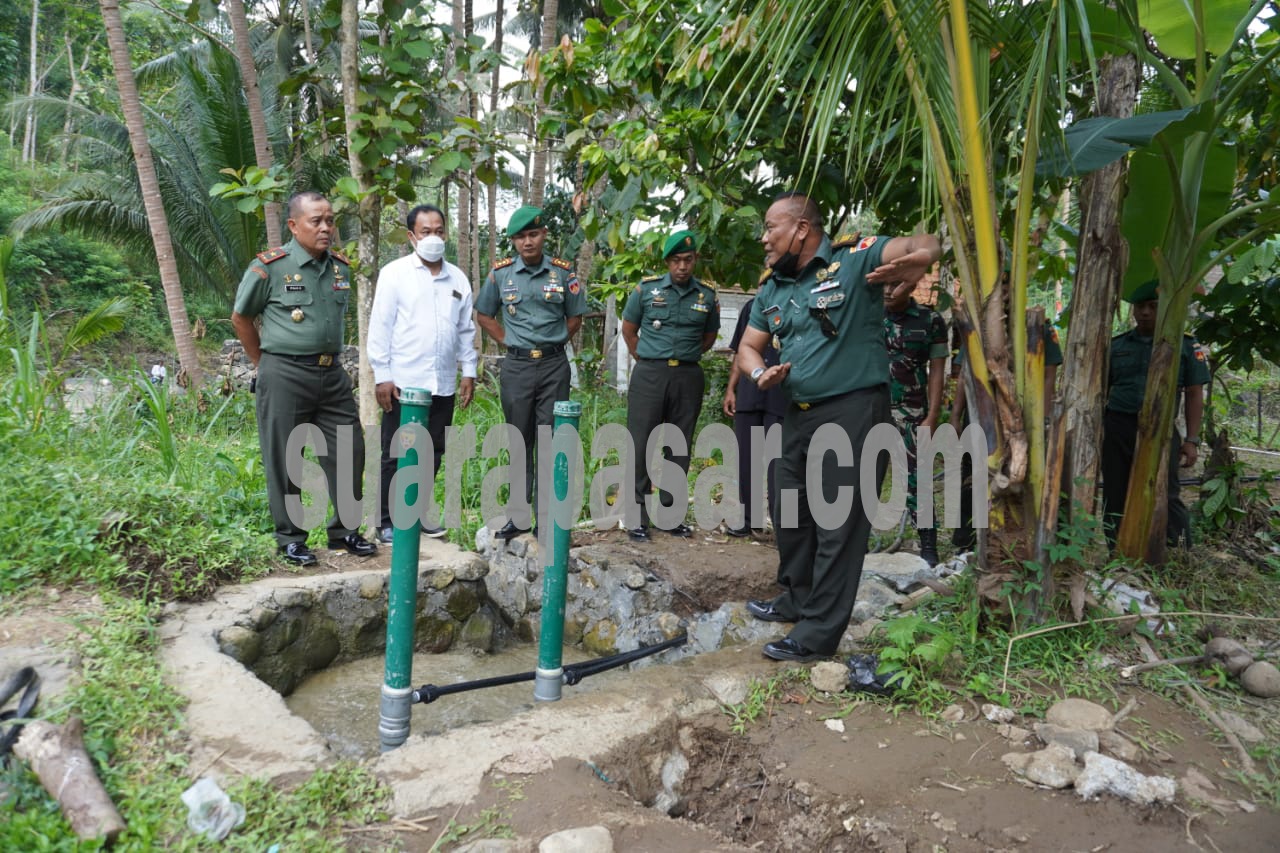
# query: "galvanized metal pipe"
[[550, 674], [395, 709]]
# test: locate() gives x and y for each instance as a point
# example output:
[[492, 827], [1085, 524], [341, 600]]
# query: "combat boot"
[[929, 545]]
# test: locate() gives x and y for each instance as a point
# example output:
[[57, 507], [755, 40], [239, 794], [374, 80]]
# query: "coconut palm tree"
[[253, 100], [149, 185]]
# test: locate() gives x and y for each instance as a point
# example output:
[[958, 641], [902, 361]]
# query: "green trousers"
[[820, 566], [290, 394], [530, 389], [660, 393]]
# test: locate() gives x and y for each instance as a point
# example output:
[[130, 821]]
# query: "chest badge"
[[511, 309], [297, 315], [657, 324]]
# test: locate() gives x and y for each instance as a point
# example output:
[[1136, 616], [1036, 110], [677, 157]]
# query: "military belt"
[[536, 352], [670, 362], [324, 359], [809, 404]]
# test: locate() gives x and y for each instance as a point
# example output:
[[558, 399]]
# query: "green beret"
[[681, 241], [523, 219], [1144, 292]]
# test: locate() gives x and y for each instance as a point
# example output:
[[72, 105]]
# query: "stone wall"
[[236, 370], [292, 632]]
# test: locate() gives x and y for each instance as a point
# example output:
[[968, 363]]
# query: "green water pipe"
[[396, 707], [550, 674]]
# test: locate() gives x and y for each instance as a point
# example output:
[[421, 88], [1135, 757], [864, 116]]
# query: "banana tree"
[[1181, 200]]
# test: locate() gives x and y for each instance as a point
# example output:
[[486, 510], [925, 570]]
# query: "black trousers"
[[530, 389], [438, 420], [660, 393], [290, 394], [1119, 442], [749, 450], [820, 566]]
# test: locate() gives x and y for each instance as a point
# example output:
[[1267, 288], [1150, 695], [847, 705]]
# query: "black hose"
[[25, 677], [573, 672]]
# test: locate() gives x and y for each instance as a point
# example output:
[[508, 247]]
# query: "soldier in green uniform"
[[1127, 383], [668, 323], [299, 292], [821, 301], [531, 304], [916, 336]]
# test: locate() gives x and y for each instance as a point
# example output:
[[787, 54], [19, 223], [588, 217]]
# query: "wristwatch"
[[756, 374]]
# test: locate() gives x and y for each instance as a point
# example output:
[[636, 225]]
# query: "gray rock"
[[635, 580], [900, 570], [471, 568], [729, 689], [829, 677], [1242, 728], [262, 617], [1118, 746], [1079, 714], [1079, 741], [478, 632], [286, 598], [864, 629], [1232, 656], [241, 644], [1104, 775], [583, 839], [372, 587], [1054, 766], [1261, 679], [496, 845], [319, 647]]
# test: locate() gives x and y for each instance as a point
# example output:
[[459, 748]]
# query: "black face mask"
[[788, 263]]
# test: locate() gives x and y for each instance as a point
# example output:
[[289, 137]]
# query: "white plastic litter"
[[210, 810]]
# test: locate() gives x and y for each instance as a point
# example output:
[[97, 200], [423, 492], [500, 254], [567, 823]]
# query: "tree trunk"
[[538, 174], [1102, 258], [190, 373], [29, 134], [494, 88], [257, 120], [57, 756], [366, 267]]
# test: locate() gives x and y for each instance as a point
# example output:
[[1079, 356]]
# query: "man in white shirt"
[[420, 333]]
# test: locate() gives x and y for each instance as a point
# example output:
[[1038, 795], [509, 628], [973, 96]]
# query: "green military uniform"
[[534, 303], [914, 336], [667, 383], [302, 303], [1126, 382], [828, 322]]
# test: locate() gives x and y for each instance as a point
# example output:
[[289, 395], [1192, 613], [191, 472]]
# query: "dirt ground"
[[887, 782]]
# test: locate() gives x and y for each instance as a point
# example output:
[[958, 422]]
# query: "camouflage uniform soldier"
[[916, 337]]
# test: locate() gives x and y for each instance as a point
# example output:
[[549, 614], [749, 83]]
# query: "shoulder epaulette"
[[563, 264], [339, 257], [845, 240], [649, 278], [764, 276], [505, 262], [272, 255]]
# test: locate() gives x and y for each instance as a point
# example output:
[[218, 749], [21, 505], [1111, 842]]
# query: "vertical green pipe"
[[402, 589], [550, 674]]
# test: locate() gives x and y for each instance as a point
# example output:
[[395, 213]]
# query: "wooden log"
[[57, 755]]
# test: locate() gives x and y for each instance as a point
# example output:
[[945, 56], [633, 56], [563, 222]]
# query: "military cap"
[[1144, 292], [681, 241], [523, 219]]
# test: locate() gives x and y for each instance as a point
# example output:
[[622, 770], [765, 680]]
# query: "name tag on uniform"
[[295, 288], [457, 295]]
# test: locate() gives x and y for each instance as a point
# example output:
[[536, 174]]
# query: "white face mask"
[[430, 248]]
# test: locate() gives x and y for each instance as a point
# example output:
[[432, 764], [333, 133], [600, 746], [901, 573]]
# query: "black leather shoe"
[[789, 650], [684, 531], [738, 532], [434, 532], [510, 531], [639, 534], [386, 535], [299, 554], [354, 543], [765, 611]]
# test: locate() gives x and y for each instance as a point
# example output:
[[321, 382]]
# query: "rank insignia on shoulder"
[[845, 240], [339, 257], [652, 277], [505, 262], [271, 255], [563, 264], [764, 276]]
